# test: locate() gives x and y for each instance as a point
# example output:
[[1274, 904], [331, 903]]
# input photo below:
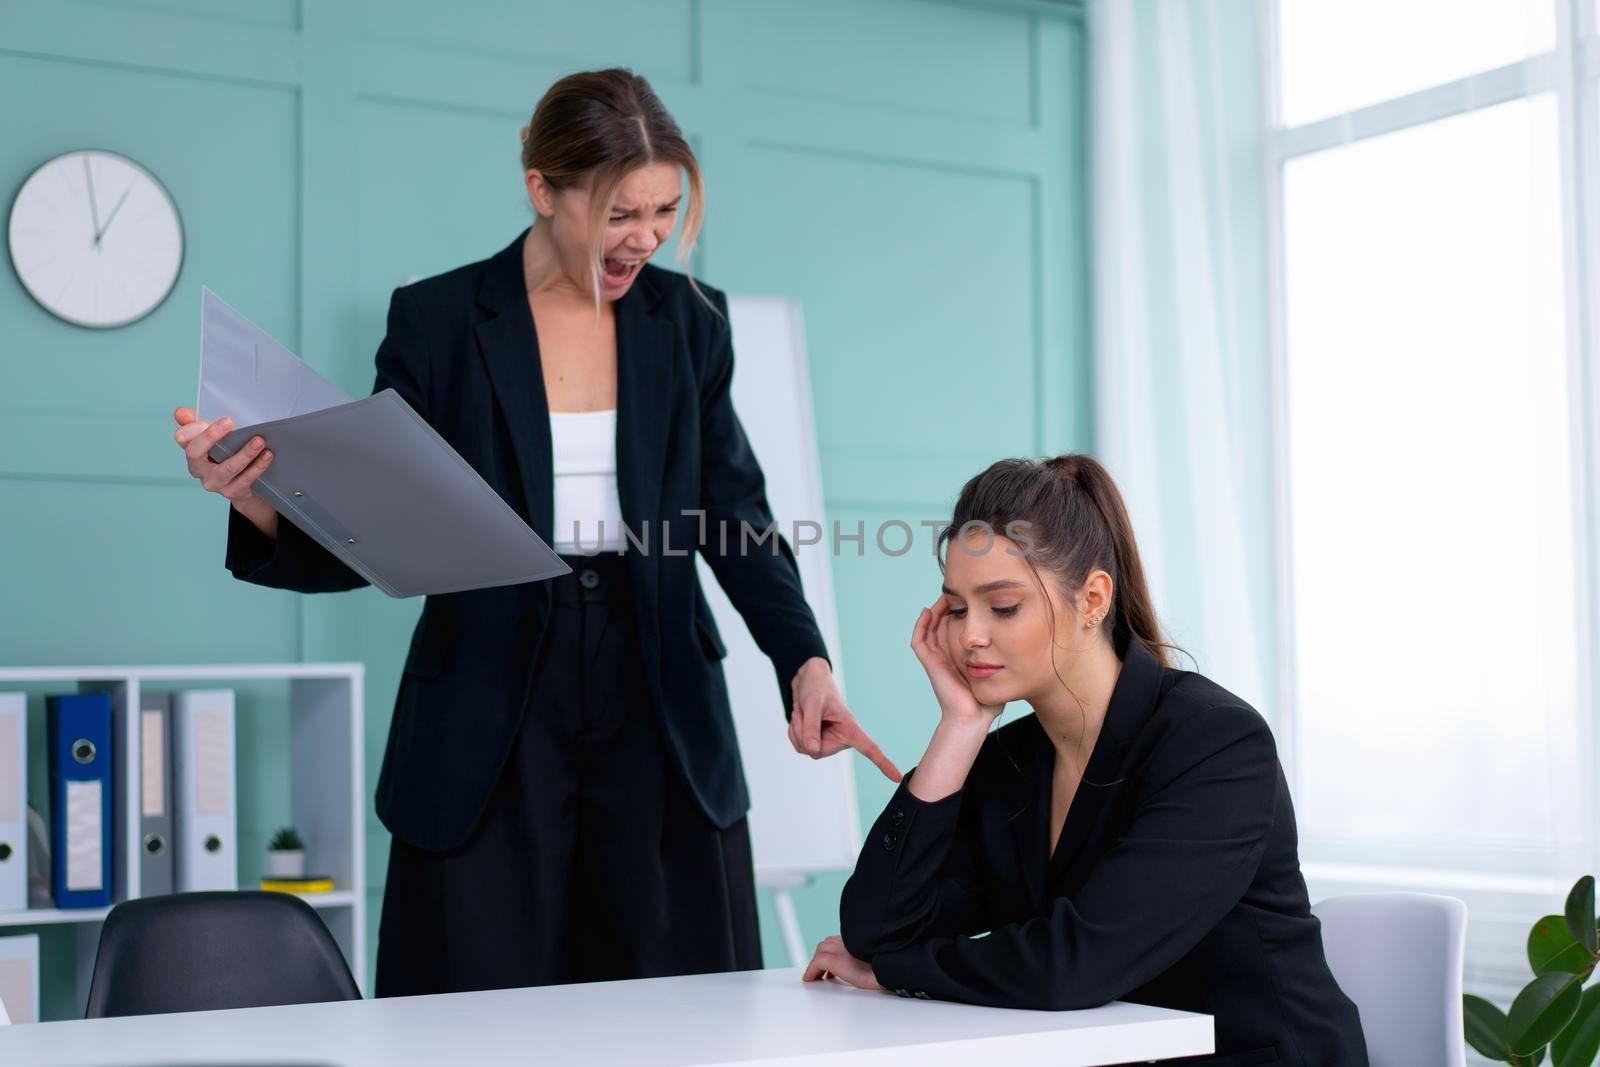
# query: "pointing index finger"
[[869, 748]]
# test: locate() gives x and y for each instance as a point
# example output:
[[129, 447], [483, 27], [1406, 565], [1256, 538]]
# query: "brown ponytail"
[[1075, 523]]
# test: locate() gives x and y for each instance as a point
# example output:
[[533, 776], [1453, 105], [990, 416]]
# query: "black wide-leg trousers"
[[592, 861]]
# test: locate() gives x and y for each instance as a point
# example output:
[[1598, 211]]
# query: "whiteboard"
[[803, 814]]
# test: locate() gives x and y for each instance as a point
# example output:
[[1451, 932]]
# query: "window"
[[1339, 57], [1434, 178]]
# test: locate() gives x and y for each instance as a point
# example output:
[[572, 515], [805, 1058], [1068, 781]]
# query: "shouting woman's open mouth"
[[620, 271]]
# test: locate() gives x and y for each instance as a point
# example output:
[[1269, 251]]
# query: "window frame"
[[1497, 891]]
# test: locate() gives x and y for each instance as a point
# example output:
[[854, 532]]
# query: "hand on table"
[[833, 961]]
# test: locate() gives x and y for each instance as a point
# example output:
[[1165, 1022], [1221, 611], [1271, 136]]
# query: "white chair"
[[1399, 957]]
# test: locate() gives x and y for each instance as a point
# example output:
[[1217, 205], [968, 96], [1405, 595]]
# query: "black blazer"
[[1176, 880], [461, 349]]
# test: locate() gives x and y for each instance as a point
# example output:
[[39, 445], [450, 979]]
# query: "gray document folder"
[[368, 479], [155, 792]]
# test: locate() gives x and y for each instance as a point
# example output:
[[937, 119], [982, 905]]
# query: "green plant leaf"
[[1551, 947], [1580, 912], [285, 840], [1542, 1010], [1486, 1028], [1577, 1045]]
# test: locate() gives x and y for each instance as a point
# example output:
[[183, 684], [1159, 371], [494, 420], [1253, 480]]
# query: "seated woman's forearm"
[[903, 889], [943, 769], [907, 885]]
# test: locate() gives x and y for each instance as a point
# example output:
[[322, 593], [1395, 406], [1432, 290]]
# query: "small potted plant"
[[1554, 1013], [286, 854]]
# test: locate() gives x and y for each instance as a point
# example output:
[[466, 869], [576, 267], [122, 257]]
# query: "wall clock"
[[95, 238]]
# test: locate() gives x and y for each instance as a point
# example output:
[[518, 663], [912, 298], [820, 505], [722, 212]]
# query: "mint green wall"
[[910, 170]]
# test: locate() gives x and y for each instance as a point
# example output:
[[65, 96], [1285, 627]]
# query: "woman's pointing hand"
[[821, 724]]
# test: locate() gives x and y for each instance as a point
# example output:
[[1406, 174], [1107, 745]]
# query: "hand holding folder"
[[368, 479]]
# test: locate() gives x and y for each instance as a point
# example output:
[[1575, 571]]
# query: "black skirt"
[[592, 860]]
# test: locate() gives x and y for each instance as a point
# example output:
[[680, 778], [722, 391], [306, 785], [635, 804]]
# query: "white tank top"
[[584, 455]]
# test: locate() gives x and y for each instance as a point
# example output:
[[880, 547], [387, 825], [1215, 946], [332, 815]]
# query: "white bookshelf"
[[327, 787]]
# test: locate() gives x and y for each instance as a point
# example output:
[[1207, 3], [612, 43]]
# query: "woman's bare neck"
[[1072, 714]]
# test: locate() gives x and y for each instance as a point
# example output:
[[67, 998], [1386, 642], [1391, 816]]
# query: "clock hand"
[[94, 214], [113, 215]]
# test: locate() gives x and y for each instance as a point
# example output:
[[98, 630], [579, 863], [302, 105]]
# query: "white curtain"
[[1428, 167], [1183, 413]]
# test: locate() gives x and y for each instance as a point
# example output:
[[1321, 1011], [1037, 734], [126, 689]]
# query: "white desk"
[[768, 1018]]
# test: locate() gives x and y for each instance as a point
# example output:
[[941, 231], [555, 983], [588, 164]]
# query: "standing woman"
[[562, 777]]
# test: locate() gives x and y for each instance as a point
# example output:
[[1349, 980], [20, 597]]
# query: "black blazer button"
[[588, 578], [890, 839], [896, 817], [903, 992]]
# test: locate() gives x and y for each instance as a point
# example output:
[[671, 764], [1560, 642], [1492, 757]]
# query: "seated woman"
[[1132, 839]]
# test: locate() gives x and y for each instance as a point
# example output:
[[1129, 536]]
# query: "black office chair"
[[204, 951]]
